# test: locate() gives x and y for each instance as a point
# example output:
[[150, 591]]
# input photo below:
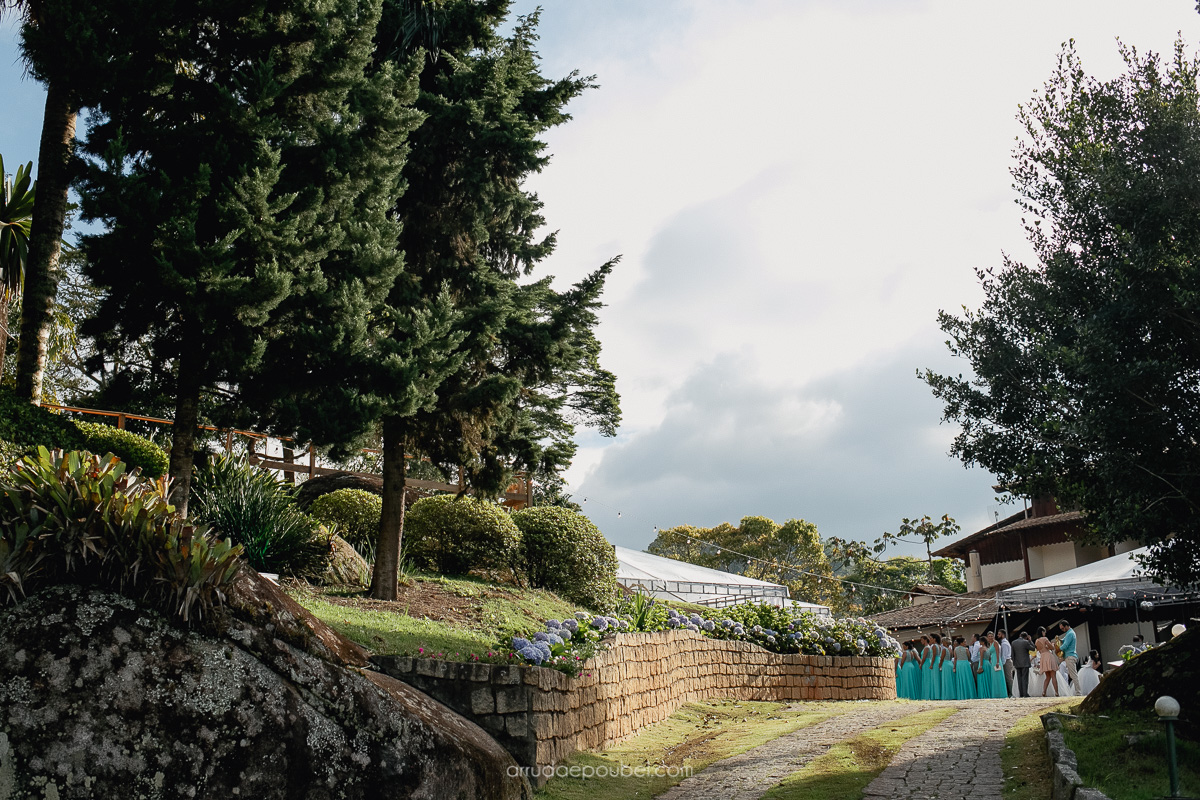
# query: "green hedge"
[[455, 535], [355, 513], [565, 553], [134, 450], [27, 425]]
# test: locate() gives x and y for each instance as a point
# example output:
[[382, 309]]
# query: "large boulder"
[[1169, 669], [100, 697]]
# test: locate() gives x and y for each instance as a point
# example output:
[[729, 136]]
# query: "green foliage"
[[567, 554], [643, 612], [134, 450], [920, 531], [82, 518], [24, 424], [355, 513], [16, 217], [899, 574], [1082, 366], [790, 554], [454, 535], [252, 507], [10, 453]]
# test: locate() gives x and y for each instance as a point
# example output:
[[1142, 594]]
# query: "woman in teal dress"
[[986, 668], [999, 684], [932, 668], [906, 685], [922, 682], [949, 690], [964, 678]]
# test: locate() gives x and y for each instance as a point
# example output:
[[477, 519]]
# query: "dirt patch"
[[692, 748], [418, 600]]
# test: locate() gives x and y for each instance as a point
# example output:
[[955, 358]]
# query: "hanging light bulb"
[[618, 513]]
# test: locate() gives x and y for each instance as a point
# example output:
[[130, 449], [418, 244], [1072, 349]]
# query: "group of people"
[[933, 668]]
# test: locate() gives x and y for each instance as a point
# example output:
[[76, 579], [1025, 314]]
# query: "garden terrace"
[[541, 716]]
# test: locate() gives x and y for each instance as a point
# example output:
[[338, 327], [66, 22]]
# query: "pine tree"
[[522, 351], [237, 157]]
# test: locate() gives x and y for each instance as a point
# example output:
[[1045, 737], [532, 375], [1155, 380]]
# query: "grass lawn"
[[846, 770], [695, 736], [442, 615], [1125, 756], [1024, 759]]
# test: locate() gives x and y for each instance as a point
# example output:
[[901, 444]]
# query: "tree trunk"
[[183, 438], [391, 522], [49, 218], [4, 305]]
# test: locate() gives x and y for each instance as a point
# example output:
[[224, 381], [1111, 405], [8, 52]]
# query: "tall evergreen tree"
[[524, 350], [237, 157]]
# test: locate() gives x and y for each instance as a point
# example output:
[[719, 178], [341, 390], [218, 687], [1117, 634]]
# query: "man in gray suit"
[[1021, 648]]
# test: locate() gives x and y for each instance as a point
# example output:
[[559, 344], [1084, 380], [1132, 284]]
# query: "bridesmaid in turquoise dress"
[[922, 646], [999, 685], [932, 668], [986, 668], [964, 678], [949, 690], [906, 686]]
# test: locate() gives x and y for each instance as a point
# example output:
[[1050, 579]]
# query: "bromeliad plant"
[[80, 518]]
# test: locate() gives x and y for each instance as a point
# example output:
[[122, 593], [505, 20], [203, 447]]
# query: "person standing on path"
[[1006, 659], [906, 685], [949, 688], [999, 685], [1070, 657], [964, 675], [983, 668], [933, 671], [1021, 649], [1047, 664], [975, 662]]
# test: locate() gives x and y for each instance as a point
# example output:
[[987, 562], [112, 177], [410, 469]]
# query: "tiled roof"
[[1016, 522], [931, 588], [959, 609]]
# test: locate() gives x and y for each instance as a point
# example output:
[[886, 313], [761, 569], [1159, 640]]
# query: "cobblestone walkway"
[[749, 775], [957, 758], [932, 766]]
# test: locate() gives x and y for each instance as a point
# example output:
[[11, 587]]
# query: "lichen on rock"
[[136, 707]]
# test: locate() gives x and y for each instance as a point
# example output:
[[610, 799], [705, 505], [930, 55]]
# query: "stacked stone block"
[[541, 715]]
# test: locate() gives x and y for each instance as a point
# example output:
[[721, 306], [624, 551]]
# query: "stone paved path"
[[956, 759], [932, 766], [749, 775]]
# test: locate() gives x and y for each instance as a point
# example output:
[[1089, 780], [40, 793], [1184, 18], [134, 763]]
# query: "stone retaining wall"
[[541, 715]]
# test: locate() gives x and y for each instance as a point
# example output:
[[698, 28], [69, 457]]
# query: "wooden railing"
[[519, 494]]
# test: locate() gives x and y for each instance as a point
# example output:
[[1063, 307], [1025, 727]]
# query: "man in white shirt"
[[1006, 659], [975, 654]]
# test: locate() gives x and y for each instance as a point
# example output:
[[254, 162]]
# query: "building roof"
[[958, 609], [1016, 523], [931, 588], [667, 578]]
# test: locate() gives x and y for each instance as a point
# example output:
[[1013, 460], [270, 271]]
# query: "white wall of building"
[[1003, 572], [1051, 559]]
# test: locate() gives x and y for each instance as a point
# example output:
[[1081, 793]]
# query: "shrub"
[[355, 513], [455, 535], [134, 450], [565, 553], [257, 510], [10, 454], [85, 519], [24, 424]]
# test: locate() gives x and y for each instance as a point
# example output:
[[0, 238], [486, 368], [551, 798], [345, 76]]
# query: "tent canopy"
[[1118, 578], [668, 579]]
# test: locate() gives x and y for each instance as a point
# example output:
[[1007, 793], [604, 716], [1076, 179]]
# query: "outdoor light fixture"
[[1167, 709]]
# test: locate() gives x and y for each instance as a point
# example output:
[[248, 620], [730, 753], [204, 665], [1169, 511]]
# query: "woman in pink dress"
[[1047, 664]]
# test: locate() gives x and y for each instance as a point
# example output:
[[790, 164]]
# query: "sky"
[[795, 190]]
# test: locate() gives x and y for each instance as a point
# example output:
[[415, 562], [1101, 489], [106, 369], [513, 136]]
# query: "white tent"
[[668, 579], [1110, 579]]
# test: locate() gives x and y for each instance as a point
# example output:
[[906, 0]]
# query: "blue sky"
[[796, 189]]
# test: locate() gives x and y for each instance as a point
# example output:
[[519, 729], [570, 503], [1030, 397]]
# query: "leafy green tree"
[[1085, 364], [16, 216], [790, 554], [521, 366], [899, 574], [238, 158], [920, 531]]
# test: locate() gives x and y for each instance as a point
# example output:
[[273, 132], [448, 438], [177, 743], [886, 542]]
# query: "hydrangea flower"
[[862, 644], [571, 625], [532, 654], [564, 633], [691, 627], [757, 629], [623, 625], [673, 622], [694, 619], [770, 640], [600, 623], [553, 639], [837, 646], [541, 636], [709, 625], [582, 615], [518, 644], [726, 623], [553, 623]]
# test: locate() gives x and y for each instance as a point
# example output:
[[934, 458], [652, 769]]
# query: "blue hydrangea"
[[738, 630], [518, 643], [770, 640], [543, 648], [828, 639], [694, 619], [672, 613], [582, 615], [757, 629], [553, 639], [623, 624], [837, 646], [541, 636], [673, 622], [600, 623], [571, 625], [532, 654], [769, 632], [862, 644], [727, 623], [709, 625], [552, 624], [564, 633], [692, 628]]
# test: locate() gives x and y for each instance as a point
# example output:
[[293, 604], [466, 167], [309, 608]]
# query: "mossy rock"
[[1169, 669]]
